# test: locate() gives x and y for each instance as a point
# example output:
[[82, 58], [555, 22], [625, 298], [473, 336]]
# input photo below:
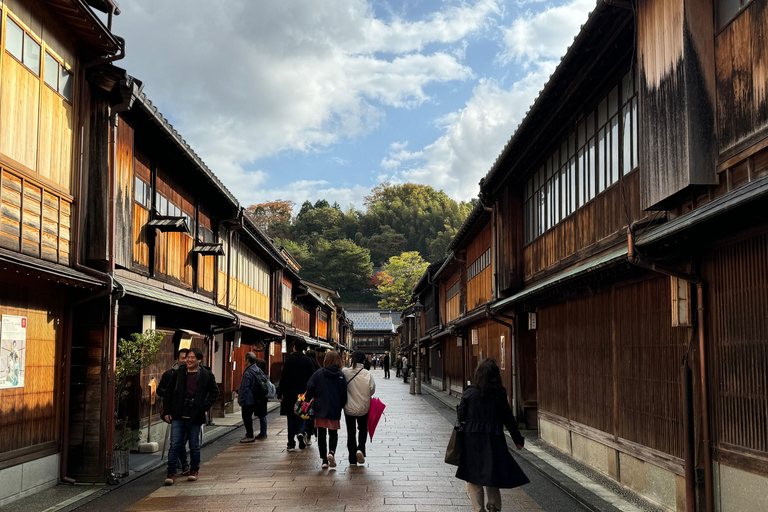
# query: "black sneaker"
[[185, 469], [260, 436], [302, 444], [291, 447]]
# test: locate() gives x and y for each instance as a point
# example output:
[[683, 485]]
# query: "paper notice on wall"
[[185, 344], [13, 351]]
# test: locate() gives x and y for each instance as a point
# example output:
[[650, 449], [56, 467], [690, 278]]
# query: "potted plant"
[[133, 356]]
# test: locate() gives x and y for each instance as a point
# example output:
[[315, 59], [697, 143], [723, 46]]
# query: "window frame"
[[26, 33]]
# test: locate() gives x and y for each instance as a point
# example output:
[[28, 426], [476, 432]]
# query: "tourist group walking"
[[314, 394]]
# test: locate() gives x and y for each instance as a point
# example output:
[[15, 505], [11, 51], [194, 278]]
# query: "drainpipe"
[[108, 60], [690, 483]]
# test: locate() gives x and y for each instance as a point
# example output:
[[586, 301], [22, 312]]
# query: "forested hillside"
[[341, 248]]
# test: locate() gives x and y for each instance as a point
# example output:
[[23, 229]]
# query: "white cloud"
[[544, 35], [244, 80], [312, 191]]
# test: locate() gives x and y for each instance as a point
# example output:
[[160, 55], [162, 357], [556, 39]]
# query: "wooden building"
[[48, 47], [626, 241], [374, 330]]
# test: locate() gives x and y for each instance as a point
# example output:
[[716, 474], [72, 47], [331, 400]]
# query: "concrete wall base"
[[736, 489], [653, 483], [28, 478]]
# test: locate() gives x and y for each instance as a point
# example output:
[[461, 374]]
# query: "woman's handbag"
[[304, 408], [452, 453]]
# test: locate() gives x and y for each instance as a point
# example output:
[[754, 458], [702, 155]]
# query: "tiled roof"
[[372, 320]]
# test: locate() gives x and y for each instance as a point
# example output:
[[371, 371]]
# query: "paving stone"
[[404, 471]]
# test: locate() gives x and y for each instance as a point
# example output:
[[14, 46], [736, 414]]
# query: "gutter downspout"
[[690, 483]]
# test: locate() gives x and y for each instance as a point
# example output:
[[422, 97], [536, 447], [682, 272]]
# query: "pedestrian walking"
[[181, 360], [385, 363], [360, 389], [484, 460], [252, 397], [405, 368], [398, 366], [310, 423], [191, 391], [297, 370], [328, 387]]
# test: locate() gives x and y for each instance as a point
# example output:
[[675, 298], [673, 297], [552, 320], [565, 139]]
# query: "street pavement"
[[404, 470]]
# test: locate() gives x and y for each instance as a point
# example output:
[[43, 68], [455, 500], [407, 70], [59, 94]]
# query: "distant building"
[[374, 329]]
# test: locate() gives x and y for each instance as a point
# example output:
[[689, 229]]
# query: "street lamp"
[[417, 308]]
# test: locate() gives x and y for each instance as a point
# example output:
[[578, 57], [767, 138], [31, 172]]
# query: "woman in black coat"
[[484, 459], [328, 387]]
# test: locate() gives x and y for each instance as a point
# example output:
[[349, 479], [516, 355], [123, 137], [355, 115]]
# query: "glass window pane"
[[563, 152], [14, 39], [138, 192], [581, 185], [626, 148], [572, 165], [726, 9], [147, 195], [613, 101], [614, 149], [32, 54], [591, 125], [602, 112], [635, 155], [627, 88], [572, 145], [601, 145], [592, 170], [51, 72], [157, 201], [65, 84], [582, 134]]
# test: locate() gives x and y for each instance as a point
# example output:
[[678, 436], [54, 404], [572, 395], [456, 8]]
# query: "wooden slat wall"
[[451, 307], [140, 236], [125, 196], [575, 350], [300, 319], [454, 368], [741, 56], [510, 240], [649, 355], [34, 220], [489, 344], [30, 415], [172, 250], [737, 274], [599, 219], [322, 329], [575, 364]]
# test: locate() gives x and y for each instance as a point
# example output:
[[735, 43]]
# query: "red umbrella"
[[374, 415]]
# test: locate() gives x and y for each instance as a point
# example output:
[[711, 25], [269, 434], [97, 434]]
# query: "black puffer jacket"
[[206, 395], [328, 387], [297, 370]]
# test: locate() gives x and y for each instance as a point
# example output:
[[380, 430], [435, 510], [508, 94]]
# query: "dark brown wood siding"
[[599, 223], [510, 238], [637, 397], [741, 51], [737, 275], [124, 196]]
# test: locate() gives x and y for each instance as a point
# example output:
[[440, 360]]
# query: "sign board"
[[152, 391], [13, 351], [185, 344], [503, 358], [533, 323]]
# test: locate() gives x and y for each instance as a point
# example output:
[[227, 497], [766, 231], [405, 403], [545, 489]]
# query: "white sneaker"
[[309, 440], [360, 457]]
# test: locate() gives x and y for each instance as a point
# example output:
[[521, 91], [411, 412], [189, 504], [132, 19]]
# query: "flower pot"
[[121, 462]]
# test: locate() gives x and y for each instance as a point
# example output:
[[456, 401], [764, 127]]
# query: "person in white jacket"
[[360, 389]]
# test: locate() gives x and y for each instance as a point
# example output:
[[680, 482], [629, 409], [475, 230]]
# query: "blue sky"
[[307, 99]]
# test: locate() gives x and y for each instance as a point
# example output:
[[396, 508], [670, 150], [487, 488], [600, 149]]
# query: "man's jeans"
[[296, 425], [182, 430]]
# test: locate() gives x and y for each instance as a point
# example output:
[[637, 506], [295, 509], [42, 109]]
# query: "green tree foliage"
[[273, 217], [398, 278], [338, 264], [418, 212]]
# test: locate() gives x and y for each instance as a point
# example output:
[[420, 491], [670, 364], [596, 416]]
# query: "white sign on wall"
[[13, 351]]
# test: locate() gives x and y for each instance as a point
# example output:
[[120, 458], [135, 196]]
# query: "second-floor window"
[[477, 266], [166, 208], [58, 77], [22, 46], [598, 151], [142, 193], [285, 301]]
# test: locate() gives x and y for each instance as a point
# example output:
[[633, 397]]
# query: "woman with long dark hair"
[[484, 459]]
